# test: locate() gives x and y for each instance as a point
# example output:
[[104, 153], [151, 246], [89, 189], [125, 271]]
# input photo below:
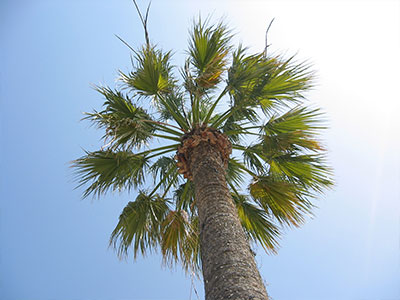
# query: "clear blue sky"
[[53, 246]]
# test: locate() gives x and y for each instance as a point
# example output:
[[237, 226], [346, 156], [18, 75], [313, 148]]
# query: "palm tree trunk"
[[229, 268]]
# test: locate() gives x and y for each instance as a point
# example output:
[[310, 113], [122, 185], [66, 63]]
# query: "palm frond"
[[208, 50], [152, 74], [180, 240], [234, 173], [256, 223], [168, 104], [204, 105], [162, 169], [307, 121], [126, 125], [287, 81], [283, 200], [105, 170], [184, 196], [308, 171], [233, 125], [140, 225], [189, 83], [253, 158], [246, 77], [175, 100], [265, 82], [294, 132]]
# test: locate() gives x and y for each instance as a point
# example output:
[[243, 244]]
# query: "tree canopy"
[[257, 101]]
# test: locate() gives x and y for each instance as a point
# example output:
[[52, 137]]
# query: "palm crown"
[[252, 104]]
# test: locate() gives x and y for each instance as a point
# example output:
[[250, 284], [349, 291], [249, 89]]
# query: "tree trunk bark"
[[229, 268]]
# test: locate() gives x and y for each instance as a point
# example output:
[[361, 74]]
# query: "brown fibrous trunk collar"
[[194, 138]]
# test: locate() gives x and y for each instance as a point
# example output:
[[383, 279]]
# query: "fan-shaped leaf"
[[309, 171], [256, 223], [208, 48], [180, 240], [281, 199], [126, 125], [152, 74], [104, 170], [139, 225], [295, 130]]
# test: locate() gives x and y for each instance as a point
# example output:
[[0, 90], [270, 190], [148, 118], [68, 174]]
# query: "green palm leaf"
[[247, 76], [105, 170], [208, 50], [253, 158], [162, 168], [264, 82], [125, 124], [153, 72], [295, 130], [173, 100], [284, 201], [234, 172], [256, 223], [287, 81], [184, 196], [180, 240], [309, 171], [139, 225]]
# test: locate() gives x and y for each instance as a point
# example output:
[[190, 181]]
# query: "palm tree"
[[231, 150]]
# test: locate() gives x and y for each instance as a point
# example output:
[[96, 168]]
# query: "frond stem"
[[167, 137], [175, 114], [160, 153], [244, 168], [163, 125], [170, 184], [222, 118], [162, 181], [225, 115], [207, 119], [171, 147]]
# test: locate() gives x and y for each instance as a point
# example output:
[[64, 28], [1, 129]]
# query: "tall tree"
[[232, 151]]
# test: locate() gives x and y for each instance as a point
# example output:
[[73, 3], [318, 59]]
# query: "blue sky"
[[53, 245]]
